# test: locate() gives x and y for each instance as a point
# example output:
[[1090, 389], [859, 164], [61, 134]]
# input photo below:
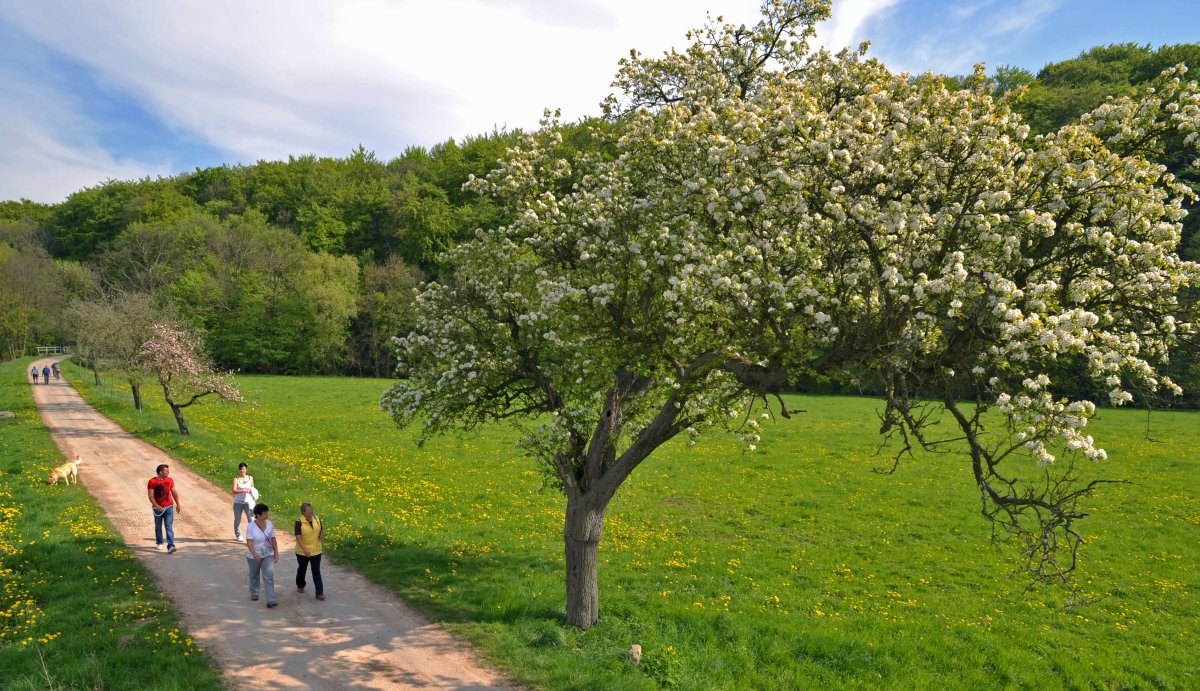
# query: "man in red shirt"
[[165, 502]]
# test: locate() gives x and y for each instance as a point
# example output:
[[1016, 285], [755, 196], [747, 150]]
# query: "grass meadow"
[[77, 610], [794, 567]]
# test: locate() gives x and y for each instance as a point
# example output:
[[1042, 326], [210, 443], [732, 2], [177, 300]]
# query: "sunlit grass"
[[77, 610], [796, 566]]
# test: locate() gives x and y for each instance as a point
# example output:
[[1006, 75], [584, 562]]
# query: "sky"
[[126, 89]]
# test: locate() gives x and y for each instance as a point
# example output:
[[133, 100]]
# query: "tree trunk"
[[582, 530], [183, 428], [95, 374], [176, 409], [137, 395]]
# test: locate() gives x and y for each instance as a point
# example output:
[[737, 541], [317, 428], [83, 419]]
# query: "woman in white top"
[[243, 499], [262, 553]]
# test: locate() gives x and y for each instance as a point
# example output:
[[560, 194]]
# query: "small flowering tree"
[[176, 358], [111, 329], [763, 212]]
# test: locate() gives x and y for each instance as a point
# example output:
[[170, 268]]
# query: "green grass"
[[796, 566], [77, 609]]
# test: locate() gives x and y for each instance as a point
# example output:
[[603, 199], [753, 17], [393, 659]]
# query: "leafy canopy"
[[765, 212]]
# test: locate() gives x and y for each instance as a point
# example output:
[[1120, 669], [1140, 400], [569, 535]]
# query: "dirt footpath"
[[362, 636]]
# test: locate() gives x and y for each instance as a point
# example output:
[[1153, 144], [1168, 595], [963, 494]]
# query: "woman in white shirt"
[[262, 553], [243, 499]]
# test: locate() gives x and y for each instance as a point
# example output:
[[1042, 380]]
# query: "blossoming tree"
[[176, 358], [763, 212]]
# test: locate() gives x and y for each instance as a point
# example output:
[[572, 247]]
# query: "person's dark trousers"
[[303, 563]]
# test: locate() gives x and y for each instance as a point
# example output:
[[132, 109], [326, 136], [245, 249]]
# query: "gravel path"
[[362, 636]]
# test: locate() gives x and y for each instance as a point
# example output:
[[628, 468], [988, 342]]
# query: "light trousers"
[[264, 570]]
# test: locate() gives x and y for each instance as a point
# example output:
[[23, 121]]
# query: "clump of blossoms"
[[751, 212]]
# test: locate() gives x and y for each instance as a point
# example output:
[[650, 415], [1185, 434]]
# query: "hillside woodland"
[[309, 265]]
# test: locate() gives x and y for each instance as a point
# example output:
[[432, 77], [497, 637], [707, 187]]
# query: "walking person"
[[244, 497], [262, 553], [165, 502], [45, 375], [310, 535], [34, 373], [54, 370]]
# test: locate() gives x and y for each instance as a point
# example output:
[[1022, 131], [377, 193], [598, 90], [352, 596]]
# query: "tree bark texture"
[[582, 530], [136, 390]]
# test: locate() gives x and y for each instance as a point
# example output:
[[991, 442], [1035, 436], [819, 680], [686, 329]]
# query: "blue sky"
[[91, 91]]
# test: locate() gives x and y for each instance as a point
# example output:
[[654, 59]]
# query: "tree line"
[[297, 266], [309, 265]]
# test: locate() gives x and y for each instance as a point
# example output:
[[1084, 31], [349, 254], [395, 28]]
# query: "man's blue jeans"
[[167, 518]]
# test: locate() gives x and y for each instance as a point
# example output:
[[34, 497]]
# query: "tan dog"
[[66, 471]]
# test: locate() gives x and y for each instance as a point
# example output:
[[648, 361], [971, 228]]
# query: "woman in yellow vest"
[[310, 534]]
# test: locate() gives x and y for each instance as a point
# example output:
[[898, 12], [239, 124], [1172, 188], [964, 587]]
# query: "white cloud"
[[272, 78], [49, 151], [42, 168], [266, 79], [951, 38], [1020, 17], [965, 10], [569, 13], [846, 26], [275, 78]]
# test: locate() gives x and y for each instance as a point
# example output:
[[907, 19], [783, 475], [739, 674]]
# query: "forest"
[[309, 265]]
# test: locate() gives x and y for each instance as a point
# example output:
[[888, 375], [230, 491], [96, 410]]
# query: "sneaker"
[[321, 596], [237, 536], [272, 604], [254, 597], [171, 549], [160, 547], [300, 589]]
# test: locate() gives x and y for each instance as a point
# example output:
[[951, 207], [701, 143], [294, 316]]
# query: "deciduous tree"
[[176, 358], [385, 309], [771, 212], [33, 290], [111, 330]]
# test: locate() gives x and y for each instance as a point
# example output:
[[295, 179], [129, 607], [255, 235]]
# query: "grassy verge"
[[796, 566], [77, 609]]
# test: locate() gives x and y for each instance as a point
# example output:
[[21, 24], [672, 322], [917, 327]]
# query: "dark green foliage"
[[149, 256], [189, 237], [260, 258], [1062, 91], [33, 289], [218, 190], [94, 216], [266, 303], [34, 212], [384, 310], [1008, 77]]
